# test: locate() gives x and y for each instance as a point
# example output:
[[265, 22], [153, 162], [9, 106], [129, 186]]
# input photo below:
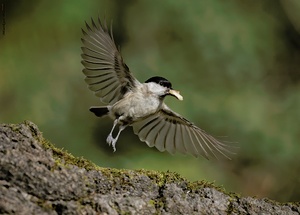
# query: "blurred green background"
[[235, 62]]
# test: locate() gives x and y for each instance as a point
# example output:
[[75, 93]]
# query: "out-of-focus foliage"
[[235, 62]]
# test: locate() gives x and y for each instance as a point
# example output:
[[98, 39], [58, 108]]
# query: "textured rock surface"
[[36, 178]]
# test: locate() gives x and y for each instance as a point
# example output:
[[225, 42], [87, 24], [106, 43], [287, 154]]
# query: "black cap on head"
[[161, 81]]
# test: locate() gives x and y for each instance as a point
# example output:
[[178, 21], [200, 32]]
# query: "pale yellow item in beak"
[[176, 94]]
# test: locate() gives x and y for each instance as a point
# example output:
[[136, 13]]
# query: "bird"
[[139, 105]]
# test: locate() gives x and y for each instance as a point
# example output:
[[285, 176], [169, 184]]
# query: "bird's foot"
[[114, 144], [111, 141]]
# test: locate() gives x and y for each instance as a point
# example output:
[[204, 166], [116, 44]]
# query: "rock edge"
[[37, 178]]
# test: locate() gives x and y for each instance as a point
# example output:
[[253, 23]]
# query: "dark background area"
[[236, 63]]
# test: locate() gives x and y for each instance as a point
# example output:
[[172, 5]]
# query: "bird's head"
[[162, 87]]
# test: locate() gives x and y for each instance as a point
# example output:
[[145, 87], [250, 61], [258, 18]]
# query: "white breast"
[[138, 104]]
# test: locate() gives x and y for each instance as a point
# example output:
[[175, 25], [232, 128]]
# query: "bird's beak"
[[176, 94]]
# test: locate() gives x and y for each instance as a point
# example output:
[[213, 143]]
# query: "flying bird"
[[140, 105]]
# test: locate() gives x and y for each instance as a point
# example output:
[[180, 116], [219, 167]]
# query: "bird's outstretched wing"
[[106, 73], [167, 130]]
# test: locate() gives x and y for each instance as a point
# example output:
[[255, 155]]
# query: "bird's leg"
[[112, 141], [110, 138], [121, 128]]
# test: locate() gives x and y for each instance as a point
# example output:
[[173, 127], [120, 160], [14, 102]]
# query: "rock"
[[37, 178]]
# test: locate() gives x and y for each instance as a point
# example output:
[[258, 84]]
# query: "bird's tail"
[[99, 110]]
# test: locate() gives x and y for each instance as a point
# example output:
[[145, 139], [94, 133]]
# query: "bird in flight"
[[140, 105]]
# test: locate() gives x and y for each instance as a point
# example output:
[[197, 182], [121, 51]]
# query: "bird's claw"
[[114, 146], [111, 141]]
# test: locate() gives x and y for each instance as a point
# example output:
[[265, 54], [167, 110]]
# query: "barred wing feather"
[[168, 131], [106, 73]]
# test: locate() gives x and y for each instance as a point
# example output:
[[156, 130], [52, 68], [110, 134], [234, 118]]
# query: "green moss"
[[203, 184], [63, 158], [160, 178], [47, 206], [156, 203]]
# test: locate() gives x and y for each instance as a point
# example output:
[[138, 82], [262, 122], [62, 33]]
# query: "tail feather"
[[99, 110]]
